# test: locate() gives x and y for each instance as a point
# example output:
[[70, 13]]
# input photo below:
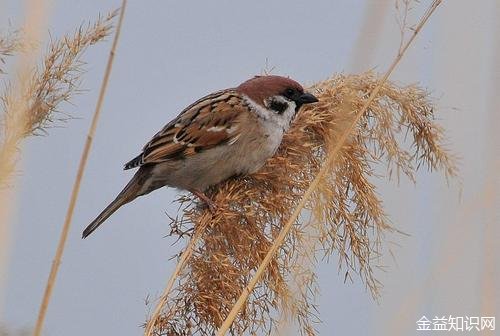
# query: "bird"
[[227, 133]]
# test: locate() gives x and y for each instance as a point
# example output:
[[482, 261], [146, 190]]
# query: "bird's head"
[[279, 98]]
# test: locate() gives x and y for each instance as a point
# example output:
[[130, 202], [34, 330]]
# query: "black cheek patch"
[[278, 106]]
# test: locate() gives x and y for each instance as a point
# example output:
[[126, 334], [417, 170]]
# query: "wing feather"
[[209, 122]]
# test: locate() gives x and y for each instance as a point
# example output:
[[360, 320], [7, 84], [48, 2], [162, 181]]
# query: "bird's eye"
[[289, 92]]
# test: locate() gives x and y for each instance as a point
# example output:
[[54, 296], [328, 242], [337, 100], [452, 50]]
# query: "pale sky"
[[172, 53]]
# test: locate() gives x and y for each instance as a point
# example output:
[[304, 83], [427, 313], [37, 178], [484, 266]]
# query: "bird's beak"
[[307, 98]]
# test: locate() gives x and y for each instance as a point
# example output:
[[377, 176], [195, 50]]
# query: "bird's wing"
[[211, 121]]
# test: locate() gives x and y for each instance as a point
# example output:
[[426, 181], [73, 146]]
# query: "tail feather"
[[131, 191], [135, 162], [110, 209]]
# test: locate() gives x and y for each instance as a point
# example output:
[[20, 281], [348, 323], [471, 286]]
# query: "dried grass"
[[345, 214], [32, 104], [326, 165], [10, 43], [100, 32]]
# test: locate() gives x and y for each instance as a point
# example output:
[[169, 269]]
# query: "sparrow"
[[228, 133]]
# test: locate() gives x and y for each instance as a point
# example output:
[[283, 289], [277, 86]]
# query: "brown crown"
[[261, 87]]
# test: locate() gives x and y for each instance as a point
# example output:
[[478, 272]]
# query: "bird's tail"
[[131, 191]]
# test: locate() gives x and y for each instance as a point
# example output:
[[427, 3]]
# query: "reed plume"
[[249, 265], [344, 218], [32, 104], [100, 32], [11, 42]]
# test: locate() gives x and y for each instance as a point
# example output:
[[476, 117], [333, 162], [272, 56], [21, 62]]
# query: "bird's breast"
[[259, 146]]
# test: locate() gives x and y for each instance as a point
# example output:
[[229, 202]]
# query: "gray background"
[[170, 54]]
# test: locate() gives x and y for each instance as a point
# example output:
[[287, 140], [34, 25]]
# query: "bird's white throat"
[[282, 119]]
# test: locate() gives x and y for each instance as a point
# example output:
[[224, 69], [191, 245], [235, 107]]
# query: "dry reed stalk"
[[74, 46], [361, 54], [348, 217], [32, 104], [178, 269], [491, 266], [331, 160]]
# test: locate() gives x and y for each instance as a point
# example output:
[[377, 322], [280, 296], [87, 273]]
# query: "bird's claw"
[[211, 205]]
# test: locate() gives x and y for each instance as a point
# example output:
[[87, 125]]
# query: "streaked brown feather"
[[165, 152], [209, 122]]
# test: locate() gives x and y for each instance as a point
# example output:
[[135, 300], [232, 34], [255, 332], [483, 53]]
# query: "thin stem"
[[76, 186], [178, 269], [317, 180]]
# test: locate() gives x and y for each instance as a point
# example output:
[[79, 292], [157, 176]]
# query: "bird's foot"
[[205, 199]]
